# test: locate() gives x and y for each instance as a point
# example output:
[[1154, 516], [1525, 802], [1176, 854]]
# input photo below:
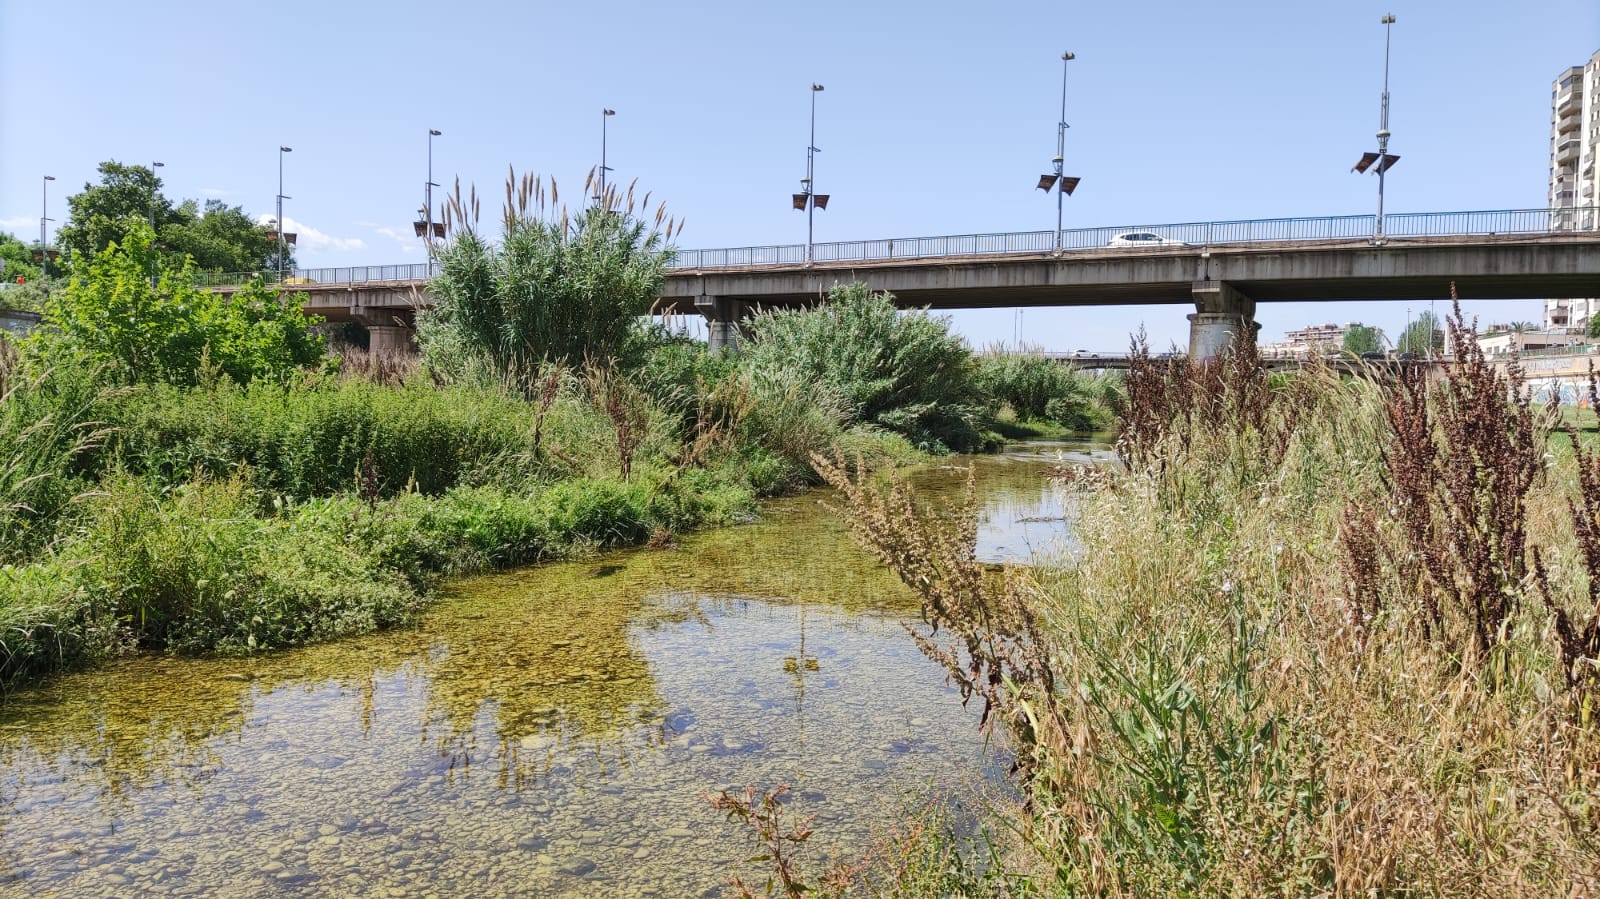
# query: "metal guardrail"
[[1340, 227], [360, 274]]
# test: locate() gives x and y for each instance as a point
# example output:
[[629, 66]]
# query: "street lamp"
[[807, 199], [154, 269], [282, 238], [1384, 161], [153, 167], [425, 226], [1063, 185], [44, 216], [604, 115]]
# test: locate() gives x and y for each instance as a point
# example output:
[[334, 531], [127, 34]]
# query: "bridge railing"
[[1338, 227], [359, 274]]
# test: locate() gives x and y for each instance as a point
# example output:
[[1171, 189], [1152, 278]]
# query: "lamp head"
[[816, 87], [157, 165], [49, 177], [433, 132], [1068, 55], [1388, 19], [608, 112], [285, 149]]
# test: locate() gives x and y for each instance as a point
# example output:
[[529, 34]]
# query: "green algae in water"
[[548, 731]]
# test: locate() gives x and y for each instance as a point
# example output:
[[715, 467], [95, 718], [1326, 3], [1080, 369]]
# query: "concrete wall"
[[18, 322]]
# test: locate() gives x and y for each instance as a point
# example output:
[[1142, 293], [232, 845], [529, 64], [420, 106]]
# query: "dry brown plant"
[[979, 624]]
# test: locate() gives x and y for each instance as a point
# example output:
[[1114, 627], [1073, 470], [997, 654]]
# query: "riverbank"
[[1327, 636], [231, 520], [226, 486], [544, 731]]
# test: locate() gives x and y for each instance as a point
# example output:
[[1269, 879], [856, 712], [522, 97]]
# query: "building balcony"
[[1569, 101], [1569, 122], [1567, 149]]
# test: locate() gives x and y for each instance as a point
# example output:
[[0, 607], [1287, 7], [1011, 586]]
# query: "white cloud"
[[19, 222], [213, 192], [410, 243], [312, 239]]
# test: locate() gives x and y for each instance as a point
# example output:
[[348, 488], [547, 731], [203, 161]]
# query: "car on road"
[[1143, 239]]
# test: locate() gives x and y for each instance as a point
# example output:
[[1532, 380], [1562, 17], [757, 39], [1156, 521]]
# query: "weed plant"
[[1329, 636]]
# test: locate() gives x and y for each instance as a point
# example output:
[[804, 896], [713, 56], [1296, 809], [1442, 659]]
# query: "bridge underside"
[[1223, 284]]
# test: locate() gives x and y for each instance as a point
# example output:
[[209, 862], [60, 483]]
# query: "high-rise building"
[[1574, 182]]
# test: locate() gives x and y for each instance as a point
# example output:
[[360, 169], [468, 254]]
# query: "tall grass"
[[1033, 387], [559, 286], [48, 424], [1259, 683], [903, 372]]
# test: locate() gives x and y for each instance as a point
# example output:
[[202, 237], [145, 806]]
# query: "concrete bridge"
[[1220, 269]]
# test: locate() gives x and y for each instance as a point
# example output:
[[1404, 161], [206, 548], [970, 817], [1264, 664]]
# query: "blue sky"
[[937, 117]]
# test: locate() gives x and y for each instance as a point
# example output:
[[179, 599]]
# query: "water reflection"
[[546, 731]]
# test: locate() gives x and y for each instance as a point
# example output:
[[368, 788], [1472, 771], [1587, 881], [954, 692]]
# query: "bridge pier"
[[388, 331], [1222, 315], [388, 340], [722, 322]]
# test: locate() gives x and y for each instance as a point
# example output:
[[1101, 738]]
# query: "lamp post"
[[807, 198], [1063, 185], [44, 216], [153, 167], [605, 114], [154, 269], [428, 194], [281, 198], [1381, 161]]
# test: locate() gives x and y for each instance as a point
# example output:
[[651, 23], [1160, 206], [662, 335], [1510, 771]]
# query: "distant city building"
[[1574, 185], [1498, 342], [1287, 350], [1312, 340], [1318, 336]]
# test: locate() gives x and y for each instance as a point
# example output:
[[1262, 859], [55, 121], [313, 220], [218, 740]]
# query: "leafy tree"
[[1359, 339], [19, 259], [901, 371], [110, 316], [103, 213], [556, 287], [1594, 326], [1422, 335], [218, 237], [222, 238]]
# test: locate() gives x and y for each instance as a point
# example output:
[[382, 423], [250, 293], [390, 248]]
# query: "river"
[[549, 731]]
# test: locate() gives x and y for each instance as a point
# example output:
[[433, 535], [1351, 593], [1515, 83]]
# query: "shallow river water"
[[549, 731]]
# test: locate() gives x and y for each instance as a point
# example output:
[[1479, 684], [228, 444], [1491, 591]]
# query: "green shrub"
[[902, 371], [677, 371], [110, 316], [48, 622], [196, 569], [313, 442], [1035, 388]]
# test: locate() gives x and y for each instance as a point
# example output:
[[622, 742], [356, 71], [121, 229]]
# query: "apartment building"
[[1318, 337], [1574, 181]]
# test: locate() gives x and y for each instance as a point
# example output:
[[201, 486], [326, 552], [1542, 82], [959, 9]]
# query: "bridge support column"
[[1223, 315], [722, 322], [388, 340]]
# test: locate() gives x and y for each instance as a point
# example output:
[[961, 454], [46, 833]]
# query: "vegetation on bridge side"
[[1321, 635]]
